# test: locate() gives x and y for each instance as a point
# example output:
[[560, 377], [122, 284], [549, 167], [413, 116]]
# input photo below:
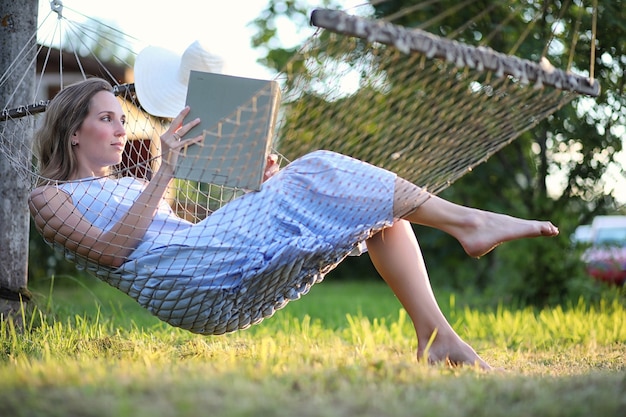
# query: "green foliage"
[[44, 262], [577, 145], [297, 11]]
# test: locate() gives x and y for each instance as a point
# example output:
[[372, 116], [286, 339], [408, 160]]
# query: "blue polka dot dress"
[[253, 255]]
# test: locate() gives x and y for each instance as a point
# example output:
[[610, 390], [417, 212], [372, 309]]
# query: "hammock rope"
[[425, 107]]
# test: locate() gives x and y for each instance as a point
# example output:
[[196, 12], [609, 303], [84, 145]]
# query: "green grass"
[[347, 349]]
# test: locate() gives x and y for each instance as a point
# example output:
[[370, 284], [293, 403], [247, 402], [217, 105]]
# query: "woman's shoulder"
[[47, 198], [59, 192], [54, 187], [45, 190]]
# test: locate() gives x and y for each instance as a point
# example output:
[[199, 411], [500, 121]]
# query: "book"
[[237, 118]]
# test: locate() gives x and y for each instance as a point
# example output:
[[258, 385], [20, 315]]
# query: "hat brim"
[[159, 89]]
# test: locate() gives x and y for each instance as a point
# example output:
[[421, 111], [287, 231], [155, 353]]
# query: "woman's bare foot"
[[483, 231], [478, 231], [452, 353]]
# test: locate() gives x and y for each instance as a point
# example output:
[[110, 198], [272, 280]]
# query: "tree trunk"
[[18, 23]]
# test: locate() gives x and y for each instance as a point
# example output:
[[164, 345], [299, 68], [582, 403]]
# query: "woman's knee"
[[407, 197]]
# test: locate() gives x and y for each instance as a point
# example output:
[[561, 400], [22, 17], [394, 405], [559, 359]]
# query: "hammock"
[[376, 91]]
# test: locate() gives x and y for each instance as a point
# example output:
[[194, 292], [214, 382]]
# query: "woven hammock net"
[[427, 108]]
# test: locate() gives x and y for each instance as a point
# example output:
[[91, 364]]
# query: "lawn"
[[346, 349]]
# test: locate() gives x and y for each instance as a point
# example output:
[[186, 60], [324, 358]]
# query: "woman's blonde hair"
[[63, 117]]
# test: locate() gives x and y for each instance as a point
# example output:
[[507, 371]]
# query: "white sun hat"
[[161, 76]]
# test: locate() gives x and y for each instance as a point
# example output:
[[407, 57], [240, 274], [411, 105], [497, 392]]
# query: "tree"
[[19, 22], [577, 144]]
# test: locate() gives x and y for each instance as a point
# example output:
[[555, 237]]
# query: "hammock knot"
[[57, 7]]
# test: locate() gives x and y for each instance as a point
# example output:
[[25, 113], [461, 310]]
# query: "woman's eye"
[[106, 118]]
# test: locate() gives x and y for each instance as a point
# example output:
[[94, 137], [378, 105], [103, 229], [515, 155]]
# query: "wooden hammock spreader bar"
[[480, 58], [22, 111], [41, 106]]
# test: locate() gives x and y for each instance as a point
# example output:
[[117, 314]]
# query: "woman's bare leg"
[[476, 230], [396, 254]]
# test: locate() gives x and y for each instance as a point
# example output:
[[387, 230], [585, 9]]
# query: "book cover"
[[238, 116]]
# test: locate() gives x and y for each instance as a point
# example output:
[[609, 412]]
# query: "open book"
[[238, 116]]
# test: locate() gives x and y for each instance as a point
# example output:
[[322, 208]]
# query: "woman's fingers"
[[271, 168], [184, 129], [172, 139], [178, 129], [186, 142], [178, 120]]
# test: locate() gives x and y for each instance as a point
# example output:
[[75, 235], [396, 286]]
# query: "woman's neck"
[[88, 173]]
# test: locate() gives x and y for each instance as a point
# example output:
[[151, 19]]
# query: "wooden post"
[[18, 24]]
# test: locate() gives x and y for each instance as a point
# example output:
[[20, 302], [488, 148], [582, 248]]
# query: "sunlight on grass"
[[344, 350]]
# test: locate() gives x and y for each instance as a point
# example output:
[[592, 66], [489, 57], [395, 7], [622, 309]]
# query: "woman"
[[306, 218]]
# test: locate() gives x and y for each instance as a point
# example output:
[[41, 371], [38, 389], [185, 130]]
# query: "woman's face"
[[100, 140]]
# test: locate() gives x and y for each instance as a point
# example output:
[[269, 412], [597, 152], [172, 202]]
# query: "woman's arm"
[[59, 221]]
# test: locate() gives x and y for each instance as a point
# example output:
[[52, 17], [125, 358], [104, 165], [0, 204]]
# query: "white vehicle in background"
[[582, 235], [605, 259]]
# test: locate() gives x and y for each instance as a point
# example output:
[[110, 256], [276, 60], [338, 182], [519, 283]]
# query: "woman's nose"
[[120, 129]]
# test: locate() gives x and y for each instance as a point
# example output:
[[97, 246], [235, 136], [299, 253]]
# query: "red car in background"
[[605, 259]]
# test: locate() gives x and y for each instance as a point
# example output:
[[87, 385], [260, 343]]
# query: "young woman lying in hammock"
[[305, 219]]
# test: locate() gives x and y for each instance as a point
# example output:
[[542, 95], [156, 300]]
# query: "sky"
[[222, 26]]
